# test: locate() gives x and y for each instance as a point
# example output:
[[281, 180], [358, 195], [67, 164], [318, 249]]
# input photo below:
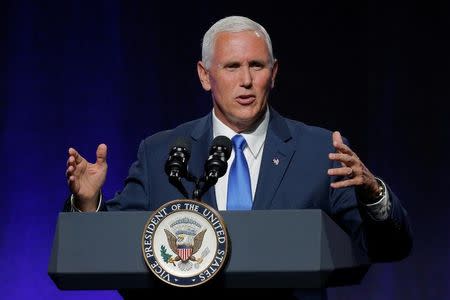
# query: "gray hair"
[[231, 24]]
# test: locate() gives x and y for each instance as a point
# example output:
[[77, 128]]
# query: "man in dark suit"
[[290, 165]]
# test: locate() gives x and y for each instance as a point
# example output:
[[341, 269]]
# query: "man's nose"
[[246, 78]]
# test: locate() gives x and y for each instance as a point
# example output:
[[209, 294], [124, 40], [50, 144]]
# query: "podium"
[[269, 248]]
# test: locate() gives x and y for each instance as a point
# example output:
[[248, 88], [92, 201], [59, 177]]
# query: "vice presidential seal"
[[185, 243]]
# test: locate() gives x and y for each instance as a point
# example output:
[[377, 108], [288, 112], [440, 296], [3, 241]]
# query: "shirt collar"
[[255, 138]]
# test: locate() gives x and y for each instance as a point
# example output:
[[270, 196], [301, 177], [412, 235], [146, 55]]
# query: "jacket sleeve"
[[387, 240]]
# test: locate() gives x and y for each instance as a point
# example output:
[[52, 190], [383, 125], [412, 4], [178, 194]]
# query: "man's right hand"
[[85, 179]]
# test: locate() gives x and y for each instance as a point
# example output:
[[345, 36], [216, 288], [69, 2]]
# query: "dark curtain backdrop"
[[79, 73]]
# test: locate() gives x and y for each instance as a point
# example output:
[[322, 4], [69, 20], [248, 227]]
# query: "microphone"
[[219, 153], [176, 164], [216, 165]]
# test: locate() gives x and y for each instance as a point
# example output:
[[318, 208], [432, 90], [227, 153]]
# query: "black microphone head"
[[222, 142], [179, 154], [182, 142], [216, 165]]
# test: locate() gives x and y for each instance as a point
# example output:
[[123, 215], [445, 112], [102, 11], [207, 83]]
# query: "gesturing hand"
[[353, 171], [86, 179]]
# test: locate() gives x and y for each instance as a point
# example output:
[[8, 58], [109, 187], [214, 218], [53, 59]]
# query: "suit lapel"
[[278, 152], [275, 161], [201, 139]]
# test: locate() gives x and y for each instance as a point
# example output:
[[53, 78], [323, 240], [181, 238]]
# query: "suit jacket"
[[298, 181]]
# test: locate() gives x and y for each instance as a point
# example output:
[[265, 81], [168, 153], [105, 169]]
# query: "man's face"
[[240, 78]]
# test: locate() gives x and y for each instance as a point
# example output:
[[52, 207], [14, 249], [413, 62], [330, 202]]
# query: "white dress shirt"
[[253, 152]]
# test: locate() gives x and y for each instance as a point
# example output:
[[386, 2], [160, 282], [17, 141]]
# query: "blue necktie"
[[239, 185]]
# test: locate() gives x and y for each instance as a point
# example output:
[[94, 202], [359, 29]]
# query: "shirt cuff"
[[379, 211], [75, 209]]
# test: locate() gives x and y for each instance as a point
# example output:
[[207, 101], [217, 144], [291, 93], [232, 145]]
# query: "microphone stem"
[[176, 181], [208, 181], [196, 194]]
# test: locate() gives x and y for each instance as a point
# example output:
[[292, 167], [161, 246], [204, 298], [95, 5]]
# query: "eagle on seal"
[[185, 248]]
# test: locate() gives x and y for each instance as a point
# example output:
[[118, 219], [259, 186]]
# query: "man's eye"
[[232, 67], [257, 66]]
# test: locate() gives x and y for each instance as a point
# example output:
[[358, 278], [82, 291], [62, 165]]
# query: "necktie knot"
[[239, 142]]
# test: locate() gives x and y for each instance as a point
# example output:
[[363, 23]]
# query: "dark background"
[[79, 73]]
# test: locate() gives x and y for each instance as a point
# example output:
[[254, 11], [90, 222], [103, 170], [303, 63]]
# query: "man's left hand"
[[353, 171]]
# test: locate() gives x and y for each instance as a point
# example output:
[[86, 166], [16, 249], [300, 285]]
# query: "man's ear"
[[203, 75], [274, 73]]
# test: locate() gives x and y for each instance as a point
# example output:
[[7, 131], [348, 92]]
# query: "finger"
[[71, 161], [338, 143], [76, 155], [346, 159], [102, 150], [69, 171], [73, 184], [337, 139], [343, 148], [345, 183], [344, 171]]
